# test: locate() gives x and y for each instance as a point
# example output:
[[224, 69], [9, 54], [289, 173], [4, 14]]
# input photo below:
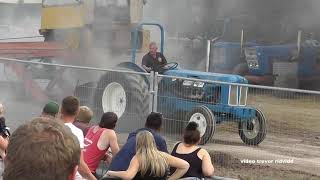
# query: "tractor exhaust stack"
[[209, 43], [208, 55], [299, 42], [241, 42]]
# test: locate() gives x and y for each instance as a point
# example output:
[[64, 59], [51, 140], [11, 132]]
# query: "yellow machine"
[[65, 14], [81, 22]]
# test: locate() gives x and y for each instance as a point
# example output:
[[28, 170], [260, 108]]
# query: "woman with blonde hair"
[[150, 163]]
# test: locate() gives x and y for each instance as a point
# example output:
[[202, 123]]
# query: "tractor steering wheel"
[[169, 66]]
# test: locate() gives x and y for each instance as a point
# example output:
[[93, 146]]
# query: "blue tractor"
[[264, 60], [180, 92]]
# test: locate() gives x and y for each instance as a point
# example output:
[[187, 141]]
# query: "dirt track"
[[304, 158], [293, 134]]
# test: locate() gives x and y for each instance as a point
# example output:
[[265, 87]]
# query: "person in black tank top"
[[150, 163], [191, 138], [195, 169]]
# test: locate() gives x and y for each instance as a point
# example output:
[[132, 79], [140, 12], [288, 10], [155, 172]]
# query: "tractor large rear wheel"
[[126, 95], [254, 131]]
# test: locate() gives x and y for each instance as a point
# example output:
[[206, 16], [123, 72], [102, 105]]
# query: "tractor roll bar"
[[134, 42]]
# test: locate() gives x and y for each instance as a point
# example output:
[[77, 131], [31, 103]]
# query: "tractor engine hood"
[[286, 52], [230, 78]]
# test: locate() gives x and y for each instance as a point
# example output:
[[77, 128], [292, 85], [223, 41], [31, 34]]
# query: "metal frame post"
[[151, 91], [155, 99]]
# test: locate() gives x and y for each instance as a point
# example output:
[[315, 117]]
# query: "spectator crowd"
[[62, 144]]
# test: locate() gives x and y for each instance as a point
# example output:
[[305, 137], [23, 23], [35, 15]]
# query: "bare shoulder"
[[202, 153], [135, 159], [110, 133]]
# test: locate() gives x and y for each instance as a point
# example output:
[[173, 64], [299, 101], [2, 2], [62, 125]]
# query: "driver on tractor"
[[154, 61]]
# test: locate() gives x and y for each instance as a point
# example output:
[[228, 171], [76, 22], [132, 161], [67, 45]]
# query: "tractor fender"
[[84, 89], [131, 66]]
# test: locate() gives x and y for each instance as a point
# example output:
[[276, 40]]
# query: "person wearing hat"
[[51, 109]]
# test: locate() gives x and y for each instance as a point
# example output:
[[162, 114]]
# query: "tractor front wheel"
[[205, 120], [253, 132]]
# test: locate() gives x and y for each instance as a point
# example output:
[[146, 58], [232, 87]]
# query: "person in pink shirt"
[[99, 139]]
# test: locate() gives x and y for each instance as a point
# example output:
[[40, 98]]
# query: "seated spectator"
[[99, 139], [42, 149], [69, 112], [198, 158], [83, 119], [150, 163], [153, 124], [4, 133], [51, 109]]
